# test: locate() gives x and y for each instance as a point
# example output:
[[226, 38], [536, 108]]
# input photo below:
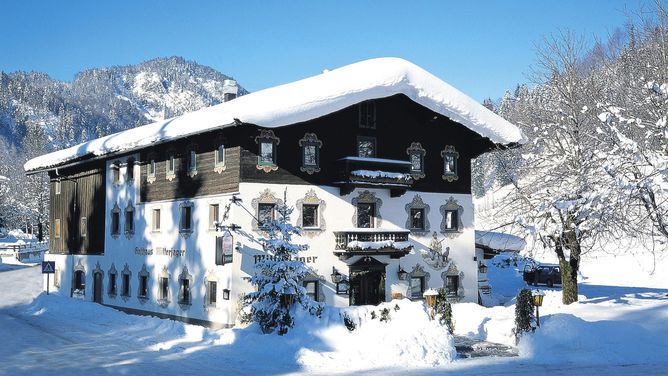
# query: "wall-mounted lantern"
[[336, 276], [482, 268], [537, 296], [226, 294], [402, 273]]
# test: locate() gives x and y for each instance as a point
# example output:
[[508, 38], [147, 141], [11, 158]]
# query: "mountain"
[[101, 101]]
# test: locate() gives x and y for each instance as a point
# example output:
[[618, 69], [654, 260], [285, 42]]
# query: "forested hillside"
[[39, 114]]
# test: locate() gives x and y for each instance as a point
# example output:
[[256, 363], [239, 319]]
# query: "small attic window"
[[450, 163], [367, 114], [366, 147], [266, 157], [310, 153]]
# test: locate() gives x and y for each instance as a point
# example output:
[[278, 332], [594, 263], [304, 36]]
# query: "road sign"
[[48, 267]]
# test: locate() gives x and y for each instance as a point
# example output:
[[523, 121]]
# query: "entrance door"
[[367, 287], [97, 287]]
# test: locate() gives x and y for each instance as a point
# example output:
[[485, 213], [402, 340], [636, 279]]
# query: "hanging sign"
[[228, 247]]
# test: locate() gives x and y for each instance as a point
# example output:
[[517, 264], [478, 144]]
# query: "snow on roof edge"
[[305, 100]]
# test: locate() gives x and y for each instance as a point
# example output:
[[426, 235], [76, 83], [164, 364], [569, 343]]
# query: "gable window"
[[219, 158], [309, 216], [312, 289], [57, 187], [417, 287], [84, 227], [366, 147], [211, 293], [365, 215], [116, 172], [129, 220], [367, 114], [56, 228], [214, 211], [115, 221], [451, 285], [265, 214], [310, 153], [170, 166], [130, 170], [416, 155], [151, 170], [186, 222], [450, 164], [417, 219], [155, 224], [192, 161], [266, 159]]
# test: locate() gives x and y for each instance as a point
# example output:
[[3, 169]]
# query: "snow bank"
[[304, 100]]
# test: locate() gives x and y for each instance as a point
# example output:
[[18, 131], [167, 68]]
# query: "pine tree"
[[279, 276], [523, 314]]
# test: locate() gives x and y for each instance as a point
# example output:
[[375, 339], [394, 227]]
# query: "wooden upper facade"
[[390, 131]]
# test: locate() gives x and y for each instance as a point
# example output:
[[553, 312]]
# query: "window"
[[115, 222], [416, 156], [417, 287], [155, 224], [57, 187], [417, 219], [450, 157], [267, 142], [265, 214], [365, 215], [211, 293], [452, 285], [309, 216], [170, 166], [219, 158], [312, 289], [192, 161], [451, 220], [129, 219], [151, 170], [130, 170], [310, 153], [164, 288], [267, 153], [79, 280], [112, 284], [184, 291], [116, 172], [186, 218], [214, 210], [366, 147], [125, 285], [56, 228], [143, 286], [367, 114], [84, 227]]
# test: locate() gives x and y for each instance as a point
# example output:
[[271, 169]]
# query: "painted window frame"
[[151, 168], [374, 149], [185, 289], [186, 218], [416, 149], [156, 225], [191, 160], [129, 223], [451, 206], [115, 223], [214, 215], [450, 153], [267, 137], [211, 299], [310, 140], [367, 197], [170, 161]]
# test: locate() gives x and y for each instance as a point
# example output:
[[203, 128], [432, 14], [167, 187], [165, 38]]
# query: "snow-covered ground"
[[619, 327]]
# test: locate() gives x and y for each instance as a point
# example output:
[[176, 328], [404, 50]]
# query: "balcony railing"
[[374, 172], [372, 242]]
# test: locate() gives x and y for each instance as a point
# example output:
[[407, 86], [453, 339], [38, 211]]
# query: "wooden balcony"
[[392, 174], [358, 242]]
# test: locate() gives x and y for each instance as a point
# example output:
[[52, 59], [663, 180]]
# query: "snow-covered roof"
[[304, 100], [499, 241]]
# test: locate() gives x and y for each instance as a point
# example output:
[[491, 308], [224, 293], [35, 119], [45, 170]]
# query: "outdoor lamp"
[[402, 273], [537, 296], [336, 276], [430, 297], [482, 268]]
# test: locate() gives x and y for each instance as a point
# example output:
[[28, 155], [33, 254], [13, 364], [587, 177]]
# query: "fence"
[[22, 252]]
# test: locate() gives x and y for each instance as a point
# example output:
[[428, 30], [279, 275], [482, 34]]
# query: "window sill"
[[266, 167], [219, 168], [170, 176]]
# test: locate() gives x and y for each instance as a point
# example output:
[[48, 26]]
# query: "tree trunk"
[[569, 268], [40, 234]]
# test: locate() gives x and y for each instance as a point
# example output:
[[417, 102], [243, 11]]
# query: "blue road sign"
[[48, 267]]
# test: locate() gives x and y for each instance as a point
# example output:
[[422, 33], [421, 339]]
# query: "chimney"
[[229, 90]]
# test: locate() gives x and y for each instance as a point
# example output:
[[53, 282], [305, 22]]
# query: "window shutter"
[[219, 250]]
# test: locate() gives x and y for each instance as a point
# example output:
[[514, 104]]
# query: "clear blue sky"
[[481, 47]]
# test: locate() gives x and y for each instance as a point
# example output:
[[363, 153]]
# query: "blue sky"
[[481, 47]]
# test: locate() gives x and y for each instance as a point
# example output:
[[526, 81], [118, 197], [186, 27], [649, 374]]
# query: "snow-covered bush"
[[523, 314], [444, 310], [279, 277]]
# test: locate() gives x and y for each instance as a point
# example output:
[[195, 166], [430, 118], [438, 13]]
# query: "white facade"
[[177, 255]]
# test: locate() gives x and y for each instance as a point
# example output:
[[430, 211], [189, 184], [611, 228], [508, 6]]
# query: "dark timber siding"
[[82, 194], [206, 182], [400, 121]]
